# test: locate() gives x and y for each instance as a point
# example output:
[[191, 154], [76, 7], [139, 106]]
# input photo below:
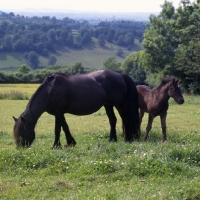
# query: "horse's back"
[[86, 93]]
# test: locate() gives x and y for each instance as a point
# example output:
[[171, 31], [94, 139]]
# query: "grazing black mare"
[[81, 95], [155, 102]]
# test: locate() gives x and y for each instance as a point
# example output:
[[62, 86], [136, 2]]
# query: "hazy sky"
[[87, 5]]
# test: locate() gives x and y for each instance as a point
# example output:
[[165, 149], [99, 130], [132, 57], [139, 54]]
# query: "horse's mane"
[[47, 81]]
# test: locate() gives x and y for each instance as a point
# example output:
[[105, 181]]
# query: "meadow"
[[95, 168]]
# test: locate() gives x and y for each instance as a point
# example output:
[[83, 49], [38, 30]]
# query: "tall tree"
[[111, 64], [172, 35]]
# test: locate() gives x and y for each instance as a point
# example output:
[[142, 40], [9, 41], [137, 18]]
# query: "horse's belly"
[[83, 108]]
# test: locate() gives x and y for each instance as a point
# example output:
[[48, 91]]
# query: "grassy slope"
[[91, 57], [96, 169]]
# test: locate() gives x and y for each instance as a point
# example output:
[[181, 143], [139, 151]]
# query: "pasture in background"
[[95, 168]]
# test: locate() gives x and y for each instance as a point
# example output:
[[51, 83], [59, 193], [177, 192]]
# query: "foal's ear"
[[176, 80], [15, 119]]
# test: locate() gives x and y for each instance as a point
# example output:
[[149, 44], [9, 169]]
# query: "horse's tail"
[[131, 124]]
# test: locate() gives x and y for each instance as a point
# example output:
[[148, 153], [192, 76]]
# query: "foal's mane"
[[166, 80]]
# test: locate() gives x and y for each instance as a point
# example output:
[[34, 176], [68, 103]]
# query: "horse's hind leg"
[[163, 125], [112, 120], [125, 123], [149, 126], [70, 140]]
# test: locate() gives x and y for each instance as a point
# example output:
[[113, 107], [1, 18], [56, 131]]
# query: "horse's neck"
[[35, 108]]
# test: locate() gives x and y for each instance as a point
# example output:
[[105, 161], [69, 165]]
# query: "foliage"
[[33, 59], [171, 43], [76, 68], [112, 64], [37, 76], [119, 52], [24, 69], [52, 60], [42, 34], [132, 66]]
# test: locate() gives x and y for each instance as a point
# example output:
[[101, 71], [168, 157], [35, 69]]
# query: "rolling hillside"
[[92, 56]]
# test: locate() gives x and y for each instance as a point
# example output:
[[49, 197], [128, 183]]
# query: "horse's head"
[[175, 91], [24, 133]]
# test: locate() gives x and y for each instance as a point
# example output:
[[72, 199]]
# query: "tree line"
[[45, 34]]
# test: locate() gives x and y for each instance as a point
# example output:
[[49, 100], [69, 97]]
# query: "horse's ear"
[[22, 120], [15, 119]]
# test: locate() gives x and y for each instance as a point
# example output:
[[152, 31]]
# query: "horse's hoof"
[[56, 147], [69, 145]]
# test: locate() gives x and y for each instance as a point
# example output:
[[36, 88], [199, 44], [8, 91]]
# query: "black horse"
[[81, 95]]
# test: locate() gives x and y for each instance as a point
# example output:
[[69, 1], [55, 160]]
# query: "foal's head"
[[174, 90], [24, 133]]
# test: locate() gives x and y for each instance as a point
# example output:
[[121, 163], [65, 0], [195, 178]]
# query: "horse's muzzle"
[[181, 101]]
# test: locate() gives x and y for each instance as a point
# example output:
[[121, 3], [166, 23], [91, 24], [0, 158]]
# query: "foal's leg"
[[112, 120], [149, 126], [163, 125], [141, 115], [69, 138]]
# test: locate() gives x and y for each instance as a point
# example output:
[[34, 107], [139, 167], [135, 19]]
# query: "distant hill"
[[92, 56], [67, 40]]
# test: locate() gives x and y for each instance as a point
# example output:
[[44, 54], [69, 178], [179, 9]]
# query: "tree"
[[129, 39], [101, 40], [111, 64], [20, 45], [52, 34], [24, 69], [119, 52], [169, 40], [109, 37], [76, 68], [8, 43], [121, 41], [33, 59], [133, 67], [52, 60]]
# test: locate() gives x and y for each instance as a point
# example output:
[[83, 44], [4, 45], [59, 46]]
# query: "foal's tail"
[[131, 125]]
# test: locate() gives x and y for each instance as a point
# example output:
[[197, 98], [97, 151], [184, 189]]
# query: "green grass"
[[92, 56], [97, 169], [15, 91]]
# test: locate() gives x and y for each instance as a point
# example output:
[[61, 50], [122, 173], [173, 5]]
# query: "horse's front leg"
[[70, 140], [149, 126], [164, 126], [57, 143]]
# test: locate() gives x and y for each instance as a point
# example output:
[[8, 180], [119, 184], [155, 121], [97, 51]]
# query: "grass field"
[[97, 169]]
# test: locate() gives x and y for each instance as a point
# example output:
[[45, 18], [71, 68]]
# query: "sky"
[[86, 5]]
